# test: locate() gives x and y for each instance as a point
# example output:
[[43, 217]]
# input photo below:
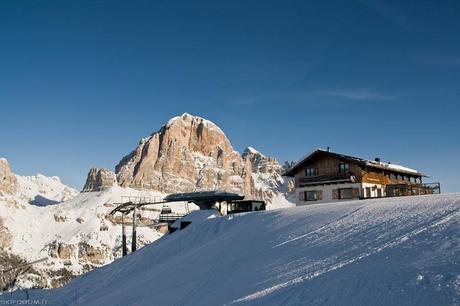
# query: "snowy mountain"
[[394, 251], [40, 217], [74, 236], [38, 189], [190, 153]]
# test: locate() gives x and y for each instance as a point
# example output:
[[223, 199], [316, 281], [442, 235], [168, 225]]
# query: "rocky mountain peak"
[[261, 163], [187, 154], [99, 179]]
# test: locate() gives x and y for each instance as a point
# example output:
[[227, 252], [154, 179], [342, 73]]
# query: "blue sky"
[[82, 81]]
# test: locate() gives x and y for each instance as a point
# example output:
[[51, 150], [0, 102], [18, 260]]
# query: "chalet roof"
[[357, 160], [217, 196]]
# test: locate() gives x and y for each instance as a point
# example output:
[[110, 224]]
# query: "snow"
[[207, 123], [395, 167], [395, 251], [267, 181], [282, 201], [42, 190], [253, 151], [197, 216], [34, 228]]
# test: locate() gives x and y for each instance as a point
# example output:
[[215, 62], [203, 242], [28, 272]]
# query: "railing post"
[[133, 238], [123, 237]]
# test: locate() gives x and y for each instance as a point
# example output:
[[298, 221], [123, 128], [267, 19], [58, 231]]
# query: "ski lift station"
[[222, 202]]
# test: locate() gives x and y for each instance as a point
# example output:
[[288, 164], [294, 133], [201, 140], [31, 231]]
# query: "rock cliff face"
[[266, 174], [261, 163], [190, 153], [99, 179], [8, 181]]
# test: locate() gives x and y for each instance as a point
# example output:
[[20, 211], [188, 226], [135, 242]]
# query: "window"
[[310, 195], [344, 168], [413, 179], [310, 171], [393, 176], [346, 193], [400, 177]]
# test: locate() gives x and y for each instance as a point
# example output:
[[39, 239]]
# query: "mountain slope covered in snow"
[[41, 218], [395, 251]]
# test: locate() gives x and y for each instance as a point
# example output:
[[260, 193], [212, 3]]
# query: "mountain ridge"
[[190, 153], [43, 218]]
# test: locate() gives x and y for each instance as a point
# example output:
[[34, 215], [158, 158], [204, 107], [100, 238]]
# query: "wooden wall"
[[379, 177], [328, 165]]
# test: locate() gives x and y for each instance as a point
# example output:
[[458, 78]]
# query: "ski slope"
[[398, 251]]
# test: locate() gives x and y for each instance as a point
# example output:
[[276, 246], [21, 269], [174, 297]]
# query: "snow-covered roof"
[[362, 161], [198, 216], [203, 196]]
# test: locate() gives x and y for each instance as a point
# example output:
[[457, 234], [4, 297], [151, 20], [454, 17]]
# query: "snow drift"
[[398, 251]]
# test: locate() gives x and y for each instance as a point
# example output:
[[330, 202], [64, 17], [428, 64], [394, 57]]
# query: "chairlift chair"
[[166, 210]]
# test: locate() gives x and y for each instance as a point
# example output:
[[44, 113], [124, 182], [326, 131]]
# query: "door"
[[368, 192]]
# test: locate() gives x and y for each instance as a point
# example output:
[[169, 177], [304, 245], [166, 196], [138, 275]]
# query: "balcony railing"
[[397, 190], [326, 179]]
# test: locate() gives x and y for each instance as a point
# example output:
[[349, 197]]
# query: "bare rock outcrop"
[[266, 174], [8, 181], [5, 236], [94, 255], [187, 154], [261, 163], [99, 179]]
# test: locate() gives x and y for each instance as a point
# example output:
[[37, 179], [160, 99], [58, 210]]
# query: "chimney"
[[377, 159], [328, 149]]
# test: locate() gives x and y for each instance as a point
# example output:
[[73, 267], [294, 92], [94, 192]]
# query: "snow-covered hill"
[[398, 251], [36, 189], [40, 217], [43, 190]]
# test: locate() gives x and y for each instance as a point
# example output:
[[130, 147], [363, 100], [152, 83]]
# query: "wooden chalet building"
[[324, 176]]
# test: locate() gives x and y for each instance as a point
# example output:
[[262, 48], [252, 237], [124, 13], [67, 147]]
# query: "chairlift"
[[166, 210]]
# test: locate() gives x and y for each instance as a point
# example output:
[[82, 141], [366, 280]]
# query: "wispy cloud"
[[444, 61], [318, 97], [362, 94], [387, 12], [248, 100]]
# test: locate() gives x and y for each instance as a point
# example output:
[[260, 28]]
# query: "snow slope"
[[76, 235], [43, 190], [398, 251]]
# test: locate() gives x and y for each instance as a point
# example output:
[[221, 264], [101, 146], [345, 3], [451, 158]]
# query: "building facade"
[[324, 176]]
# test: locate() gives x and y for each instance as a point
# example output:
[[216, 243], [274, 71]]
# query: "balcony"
[[327, 179], [398, 190]]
